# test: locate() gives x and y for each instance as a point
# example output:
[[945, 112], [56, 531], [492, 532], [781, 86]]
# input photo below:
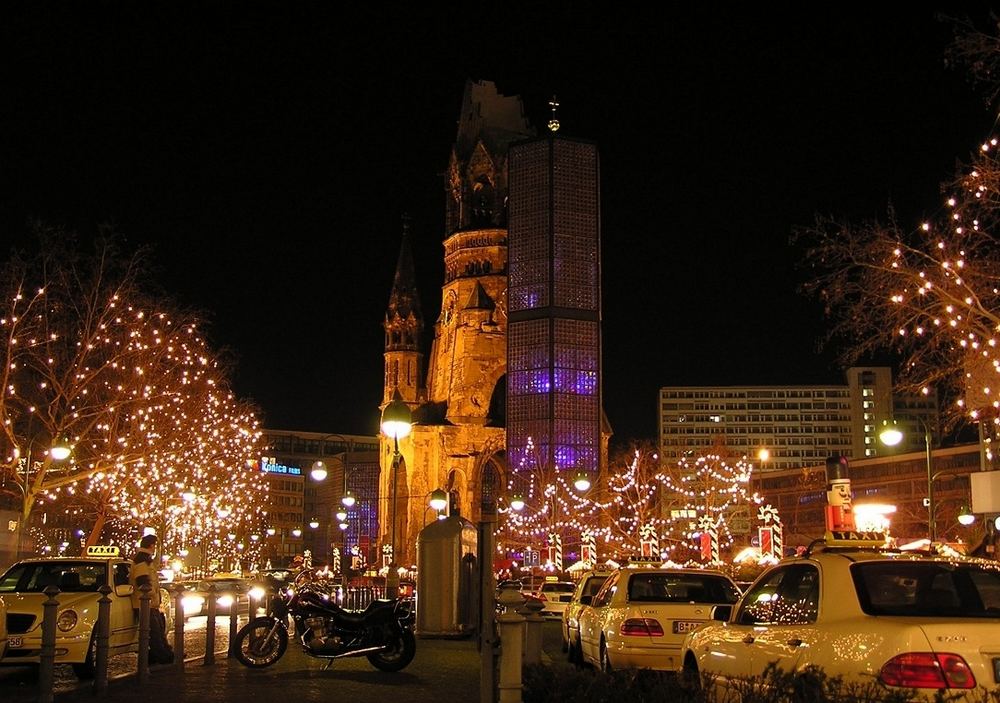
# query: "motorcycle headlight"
[[66, 620]]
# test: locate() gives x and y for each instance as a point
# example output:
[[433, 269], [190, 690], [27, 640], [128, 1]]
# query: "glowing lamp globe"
[[890, 435], [517, 502], [965, 516], [439, 499], [348, 500], [60, 451], [397, 420], [582, 481], [318, 471]]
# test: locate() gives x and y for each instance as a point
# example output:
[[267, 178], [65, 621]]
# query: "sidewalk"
[[443, 670]]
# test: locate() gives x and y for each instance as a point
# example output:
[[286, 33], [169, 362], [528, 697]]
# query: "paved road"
[[442, 671]]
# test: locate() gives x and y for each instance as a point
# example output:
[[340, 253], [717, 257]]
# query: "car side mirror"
[[124, 589], [722, 613], [587, 599]]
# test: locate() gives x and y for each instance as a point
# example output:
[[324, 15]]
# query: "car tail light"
[[642, 627], [927, 670]]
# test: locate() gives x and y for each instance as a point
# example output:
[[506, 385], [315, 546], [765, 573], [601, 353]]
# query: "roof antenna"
[[554, 122]]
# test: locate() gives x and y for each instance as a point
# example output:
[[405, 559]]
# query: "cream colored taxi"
[[905, 620], [640, 616], [3, 626], [586, 588], [78, 579]]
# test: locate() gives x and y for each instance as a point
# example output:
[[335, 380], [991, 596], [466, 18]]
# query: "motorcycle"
[[382, 632]]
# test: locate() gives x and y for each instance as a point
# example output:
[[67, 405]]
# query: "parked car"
[[904, 619], [554, 596], [640, 616], [228, 590], [3, 627], [78, 579], [589, 584]]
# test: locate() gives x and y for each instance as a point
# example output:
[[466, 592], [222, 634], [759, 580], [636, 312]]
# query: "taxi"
[[925, 621], [640, 616], [589, 584], [3, 626], [22, 589]]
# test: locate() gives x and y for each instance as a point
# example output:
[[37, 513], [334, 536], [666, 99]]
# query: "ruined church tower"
[[458, 439]]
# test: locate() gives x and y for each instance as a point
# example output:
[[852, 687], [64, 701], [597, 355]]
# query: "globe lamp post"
[[397, 421]]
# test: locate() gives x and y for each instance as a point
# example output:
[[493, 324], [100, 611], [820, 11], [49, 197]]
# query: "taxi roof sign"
[[855, 538], [103, 550]]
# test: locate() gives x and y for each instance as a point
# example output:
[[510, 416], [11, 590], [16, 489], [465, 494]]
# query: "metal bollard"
[[47, 657], [233, 625], [179, 626], [511, 639], [210, 627], [103, 640], [533, 621], [143, 670]]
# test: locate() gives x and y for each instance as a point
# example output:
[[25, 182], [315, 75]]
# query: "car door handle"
[[795, 642], [748, 639]]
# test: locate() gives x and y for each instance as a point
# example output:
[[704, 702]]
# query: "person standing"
[[143, 572]]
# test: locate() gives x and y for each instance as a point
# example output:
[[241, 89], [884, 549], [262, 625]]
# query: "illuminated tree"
[[927, 291], [634, 511], [555, 511], [92, 359], [709, 487]]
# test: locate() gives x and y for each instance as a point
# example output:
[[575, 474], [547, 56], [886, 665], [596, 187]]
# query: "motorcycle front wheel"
[[399, 654], [260, 643]]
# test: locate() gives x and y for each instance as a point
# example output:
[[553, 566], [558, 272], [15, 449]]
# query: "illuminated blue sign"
[[270, 465]]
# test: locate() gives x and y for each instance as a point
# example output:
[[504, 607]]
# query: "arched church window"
[[482, 202]]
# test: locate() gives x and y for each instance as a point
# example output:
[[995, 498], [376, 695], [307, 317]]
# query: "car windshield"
[[221, 585], [928, 589], [659, 587], [69, 576]]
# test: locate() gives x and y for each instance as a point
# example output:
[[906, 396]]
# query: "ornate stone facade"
[[458, 439]]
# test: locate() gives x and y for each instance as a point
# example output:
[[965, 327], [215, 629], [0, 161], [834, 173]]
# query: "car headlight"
[[225, 601], [257, 593], [66, 620], [192, 604]]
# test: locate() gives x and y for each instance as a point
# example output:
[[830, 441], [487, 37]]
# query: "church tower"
[[458, 440], [403, 325]]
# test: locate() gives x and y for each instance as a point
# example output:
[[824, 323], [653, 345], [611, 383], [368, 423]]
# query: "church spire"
[[403, 312], [404, 325]]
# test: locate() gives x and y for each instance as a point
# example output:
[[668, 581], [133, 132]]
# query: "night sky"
[[269, 152]]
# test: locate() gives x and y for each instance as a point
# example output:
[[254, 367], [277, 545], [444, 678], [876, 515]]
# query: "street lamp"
[[582, 481], [763, 454], [891, 435], [397, 421], [318, 472], [58, 452], [439, 500]]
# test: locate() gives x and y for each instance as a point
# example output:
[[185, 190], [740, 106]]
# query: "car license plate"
[[683, 626], [13, 642]]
